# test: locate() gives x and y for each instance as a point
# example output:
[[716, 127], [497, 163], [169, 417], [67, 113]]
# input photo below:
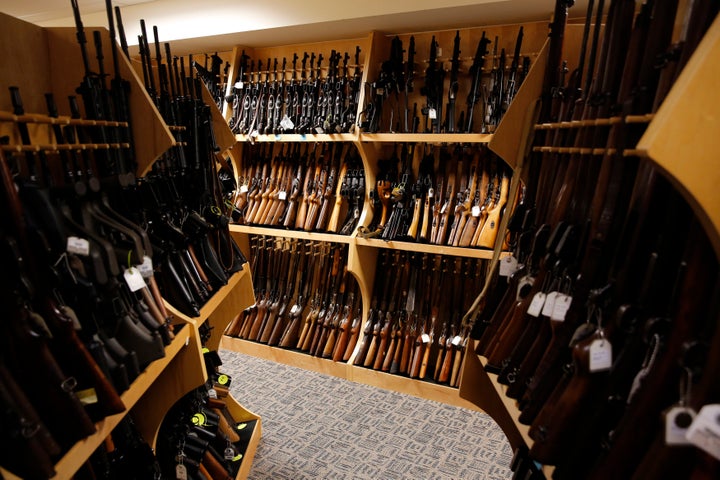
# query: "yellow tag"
[[199, 419], [241, 426], [87, 397], [206, 350], [237, 457], [222, 379]]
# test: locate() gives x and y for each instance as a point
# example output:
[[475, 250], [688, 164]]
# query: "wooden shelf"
[[300, 234], [426, 137], [397, 383], [299, 137], [75, 457], [425, 248], [241, 414]]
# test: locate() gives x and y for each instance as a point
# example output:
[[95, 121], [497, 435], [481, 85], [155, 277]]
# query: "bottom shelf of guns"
[[81, 451], [311, 307]]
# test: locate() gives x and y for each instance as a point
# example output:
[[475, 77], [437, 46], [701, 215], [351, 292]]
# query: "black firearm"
[[410, 126], [453, 88], [433, 89], [476, 74], [512, 82], [350, 114], [238, 93]]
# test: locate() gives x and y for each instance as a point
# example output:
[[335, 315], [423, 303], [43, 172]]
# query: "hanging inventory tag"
[[239, 85], [181, 472], [508, 266], [677, 422], [549, 304], [432, 114], [536, 304], [600, 355], [561, 307], [282, 195], [704, 432], [134, 279], [78, 246], [286, 123], [146, 268], [243, 188], [475, 212]]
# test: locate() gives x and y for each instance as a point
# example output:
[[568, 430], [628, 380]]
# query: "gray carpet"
[[321, 427]]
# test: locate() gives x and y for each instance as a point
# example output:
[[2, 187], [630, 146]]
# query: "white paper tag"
[[677, 422], [425, 338], [282, 195], [181, 472], [704, 432], [146, 268], [432, 114], [549, 304], [561, 307], [239, 85], [600, 355], [443, 208], [536, 304], [78, 246], [243, 188], [508, 266], [212, 393], [475, 211], [457, 340], [254, 134], [286, 123], [134, 279]]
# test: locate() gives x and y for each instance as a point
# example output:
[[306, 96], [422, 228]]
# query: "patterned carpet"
[[321, 427]]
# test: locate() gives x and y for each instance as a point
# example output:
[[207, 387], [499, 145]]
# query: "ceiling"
[[218, 25]]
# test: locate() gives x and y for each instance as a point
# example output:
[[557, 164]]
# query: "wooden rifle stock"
[[334, 222], [364, 348], [489, 231]]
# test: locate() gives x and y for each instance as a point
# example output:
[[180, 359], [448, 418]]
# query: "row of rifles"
[[414, 325], [392, 105], [275, 98], [303, 188], [605, 327], [183, 198], [305, 298], [451, 197]]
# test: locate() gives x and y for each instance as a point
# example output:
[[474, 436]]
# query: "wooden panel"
[[23, 49], [239, 298], [683, 137], [287, 357], [241, 414], [186, 372]]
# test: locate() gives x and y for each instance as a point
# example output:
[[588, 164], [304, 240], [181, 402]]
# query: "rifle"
[[453, 88], [410, 127], [476, 73], [354, 91], [434, 78], [512, 82], [333, 222], [488, 233]]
